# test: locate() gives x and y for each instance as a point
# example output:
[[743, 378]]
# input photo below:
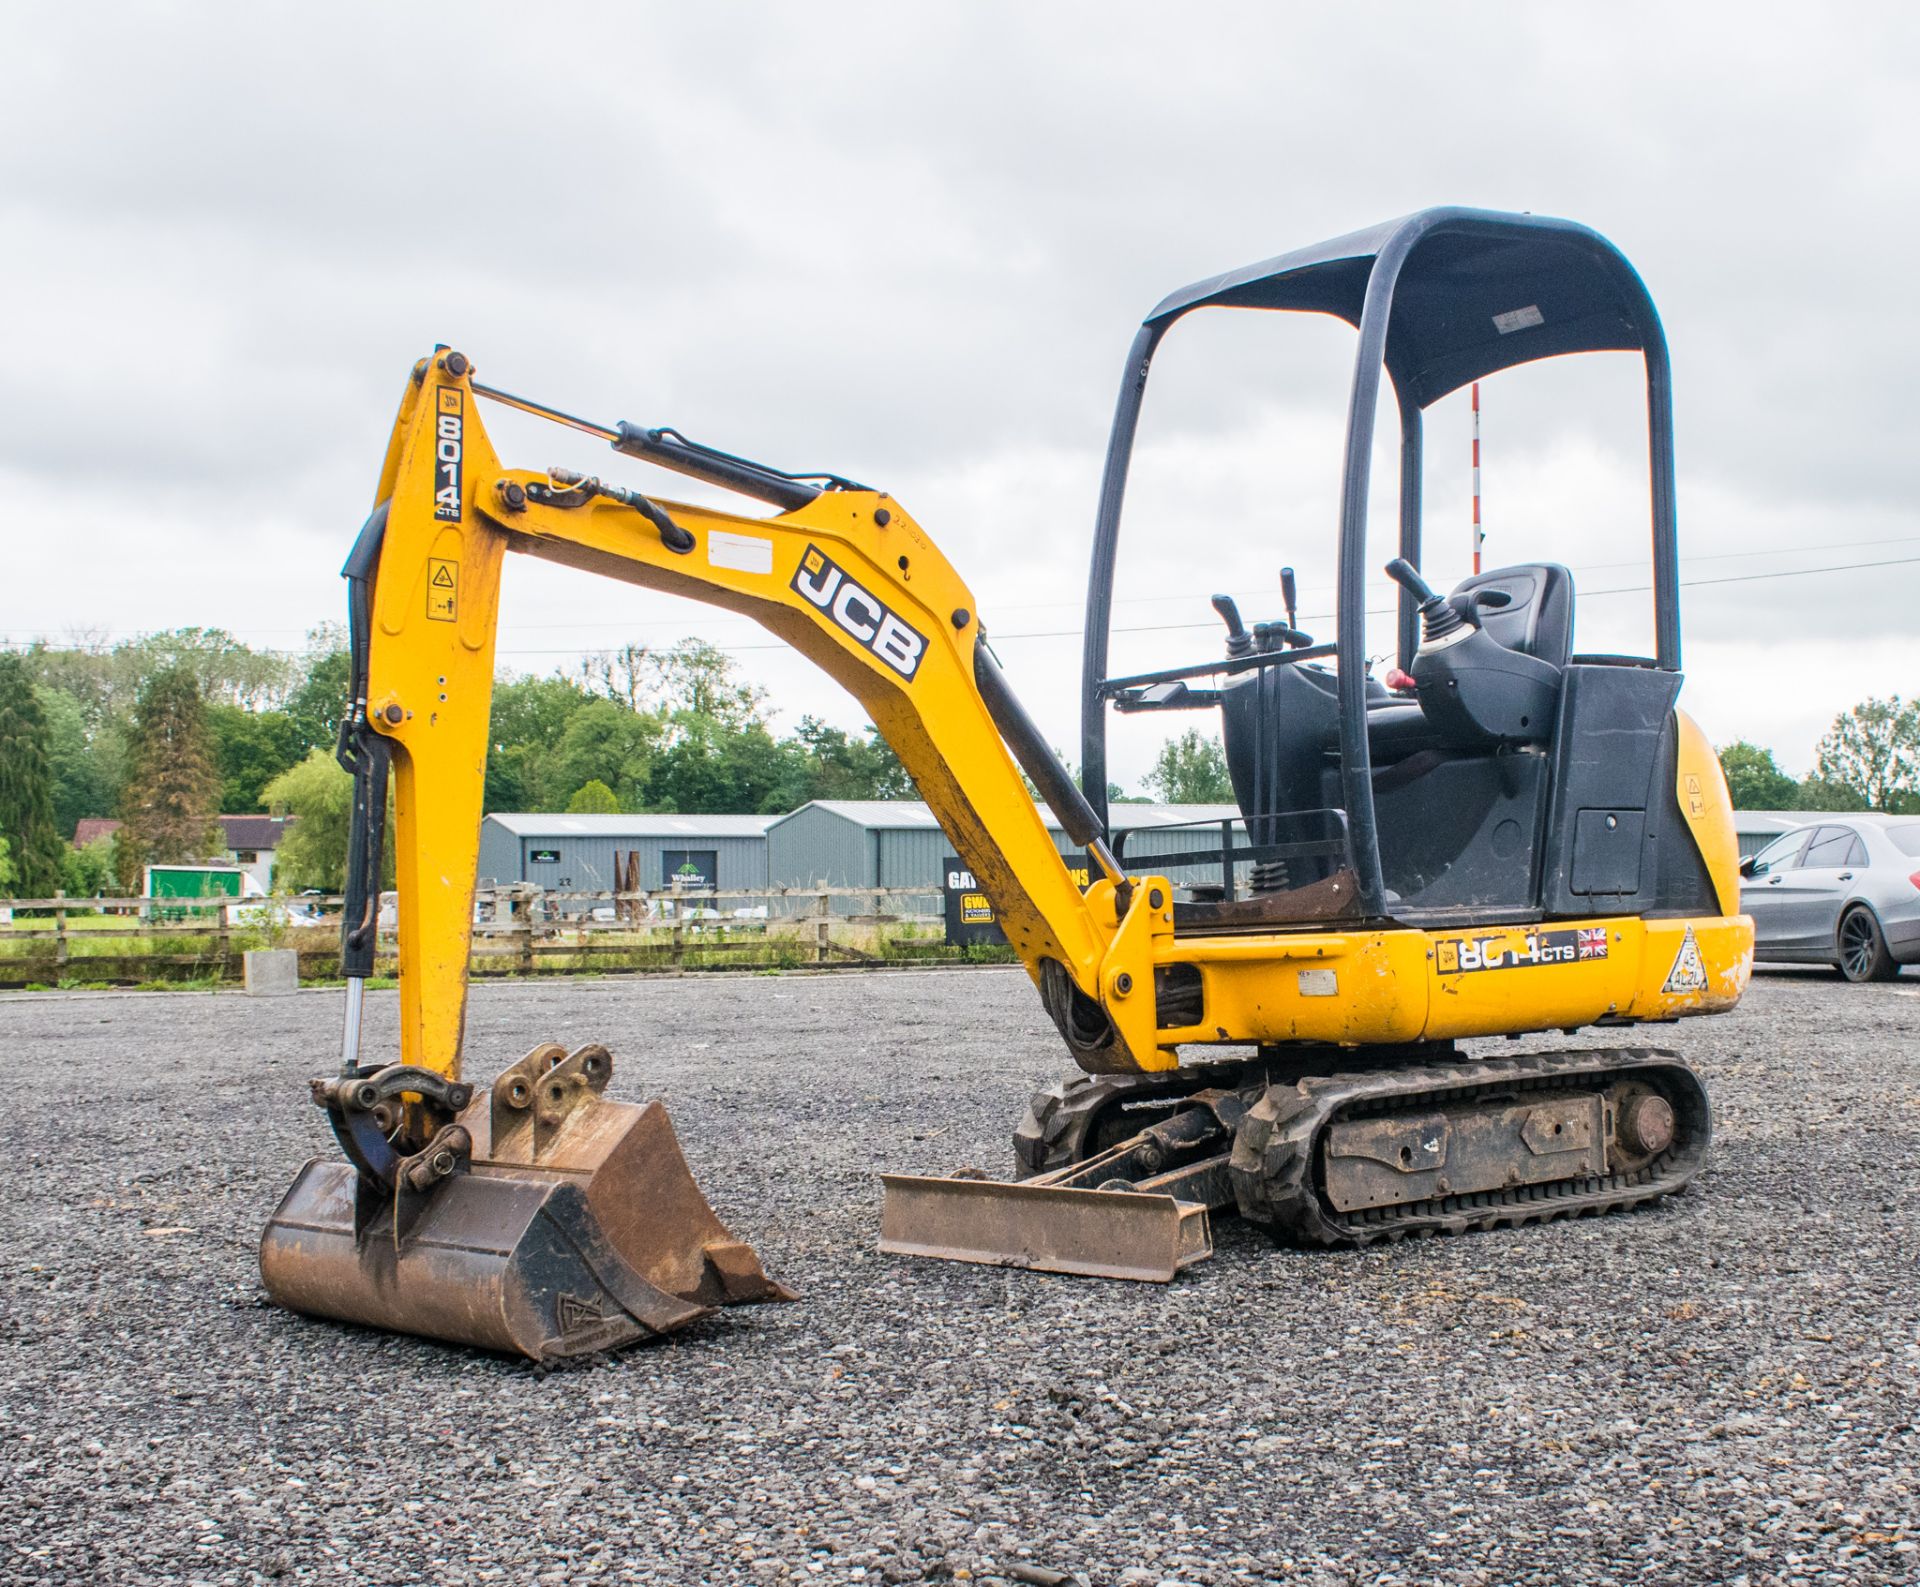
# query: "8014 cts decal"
[[449, 445], [1518, 950], [859, 612]]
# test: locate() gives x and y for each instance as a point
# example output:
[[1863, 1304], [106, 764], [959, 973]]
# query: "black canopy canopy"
[[1478, 291]]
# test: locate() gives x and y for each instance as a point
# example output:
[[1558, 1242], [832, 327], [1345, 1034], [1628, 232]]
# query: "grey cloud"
[[912, 242]]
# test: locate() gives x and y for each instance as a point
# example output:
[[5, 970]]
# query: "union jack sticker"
[[1593, 942]]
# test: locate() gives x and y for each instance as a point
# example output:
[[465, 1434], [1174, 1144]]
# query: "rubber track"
[[1277, 1147]]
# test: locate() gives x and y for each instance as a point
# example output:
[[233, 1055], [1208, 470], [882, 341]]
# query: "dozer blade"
[[574, 1227], [1048, 1228]]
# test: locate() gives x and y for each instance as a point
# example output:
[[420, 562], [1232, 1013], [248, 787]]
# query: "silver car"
[[1843, 891]]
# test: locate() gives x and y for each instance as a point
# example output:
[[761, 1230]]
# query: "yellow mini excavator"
[[1513, 837]]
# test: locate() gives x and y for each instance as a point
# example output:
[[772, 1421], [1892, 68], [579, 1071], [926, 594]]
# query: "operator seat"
[[1282, 735], [1537, 621]]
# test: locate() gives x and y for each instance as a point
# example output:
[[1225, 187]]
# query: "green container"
[[192, 881]]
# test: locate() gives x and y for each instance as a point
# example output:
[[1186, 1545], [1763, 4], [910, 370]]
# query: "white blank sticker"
[[1518, 320], [1319, 983], [742, 553]]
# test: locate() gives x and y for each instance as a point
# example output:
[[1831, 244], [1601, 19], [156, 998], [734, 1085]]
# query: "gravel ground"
[[1724, 1388]]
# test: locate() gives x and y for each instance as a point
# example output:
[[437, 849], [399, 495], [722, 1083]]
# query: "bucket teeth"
[[573, 1227]]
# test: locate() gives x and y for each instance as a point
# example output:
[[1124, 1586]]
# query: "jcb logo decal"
[[449, 446], [862, 614]]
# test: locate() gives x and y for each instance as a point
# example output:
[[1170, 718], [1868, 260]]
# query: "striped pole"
[[1478, 534]]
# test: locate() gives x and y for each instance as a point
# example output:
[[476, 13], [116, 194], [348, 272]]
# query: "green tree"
[[528, 718], [708, 768], [225, 671], [839, 766], [107, 680], [6, 865], [1818, 794], [85, 763], [252, 748], [316, 702], [1875, 750], [625, 675], [1754, 780], [90, 871], [26, 784], [602, 742], [593, 798], [172, 793], [313, 850], [696, 679], [1191, 770]]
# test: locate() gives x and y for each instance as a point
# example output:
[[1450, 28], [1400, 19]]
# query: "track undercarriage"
[[1322, 1147]]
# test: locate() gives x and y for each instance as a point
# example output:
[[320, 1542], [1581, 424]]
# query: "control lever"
[[1271, 636], [1289, 598], [1239, 641], [1439, 616], [1407, 576]]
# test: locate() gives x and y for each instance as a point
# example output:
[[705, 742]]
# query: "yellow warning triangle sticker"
[[443, 576], [1689, 972]]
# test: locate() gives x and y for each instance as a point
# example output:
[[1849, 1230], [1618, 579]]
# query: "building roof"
[[897, 815], [1773, 820], [559, 825], [237, 832]]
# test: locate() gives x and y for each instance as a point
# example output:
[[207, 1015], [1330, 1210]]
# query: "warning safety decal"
[[1689, 972], [1519, 950], [443, 588]]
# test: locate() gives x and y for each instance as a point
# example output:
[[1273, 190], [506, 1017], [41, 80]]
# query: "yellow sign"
[[443, 588]]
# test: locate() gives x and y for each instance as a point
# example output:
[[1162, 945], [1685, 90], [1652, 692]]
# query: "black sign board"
[[970, 913], [689, 868], [543, 856]]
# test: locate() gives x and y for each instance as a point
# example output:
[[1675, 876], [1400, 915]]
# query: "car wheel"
[[1863, 948]]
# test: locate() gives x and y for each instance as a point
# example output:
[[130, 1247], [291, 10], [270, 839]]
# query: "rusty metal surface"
[[575, 1227], [1378, 1162], [1048, 1228]]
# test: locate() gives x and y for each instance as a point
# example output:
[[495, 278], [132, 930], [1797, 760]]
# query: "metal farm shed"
[[576, 852], [898, 843]]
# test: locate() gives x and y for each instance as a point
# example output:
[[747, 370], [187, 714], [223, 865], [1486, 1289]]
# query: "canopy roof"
[[1480, 291]]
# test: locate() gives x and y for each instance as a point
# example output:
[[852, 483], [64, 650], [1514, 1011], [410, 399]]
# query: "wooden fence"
[[522, 930]]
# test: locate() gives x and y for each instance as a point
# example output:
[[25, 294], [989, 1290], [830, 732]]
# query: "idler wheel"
[[1646, 1125]]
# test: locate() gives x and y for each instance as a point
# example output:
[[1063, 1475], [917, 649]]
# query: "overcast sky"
[[910, 244]]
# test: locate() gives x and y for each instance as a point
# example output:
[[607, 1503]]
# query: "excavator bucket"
[[542, 1220]]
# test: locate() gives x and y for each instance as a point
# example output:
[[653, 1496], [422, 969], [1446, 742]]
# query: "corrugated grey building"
[[577, 851], [898, 843]]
